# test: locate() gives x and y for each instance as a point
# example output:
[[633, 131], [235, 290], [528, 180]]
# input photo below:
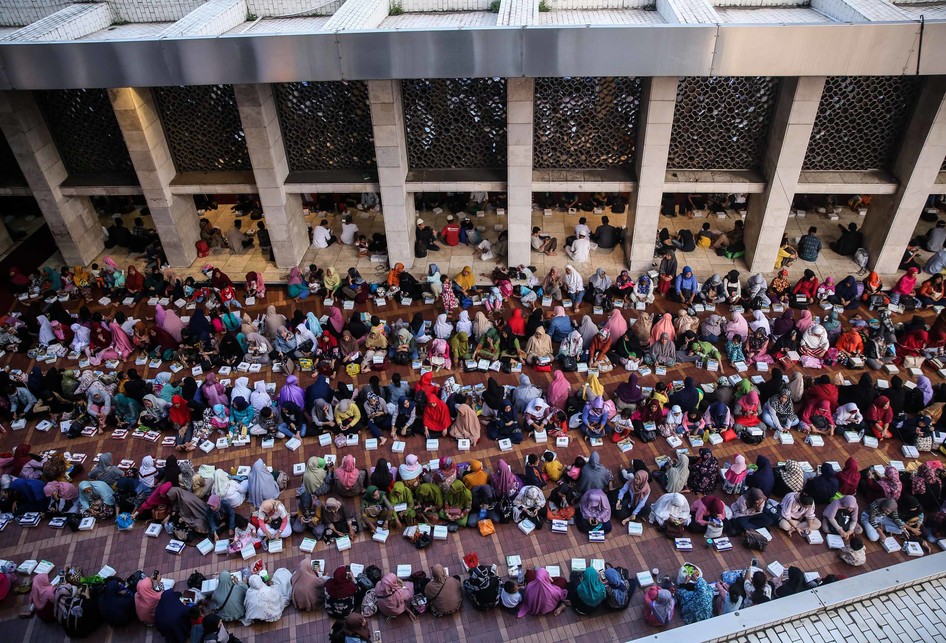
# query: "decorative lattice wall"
[[455, 123], [721, 123], [860, 122], [85, 130], [326, 126], [203, 128], [585, 122]]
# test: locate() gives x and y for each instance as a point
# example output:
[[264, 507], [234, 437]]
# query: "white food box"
[[293, 444], [722, 544], [834, 541], [298, 469], [505, 444], [695, 442], [526, 526], [635, 529], [871, 441], [683, 544], [433, 444], [674, 441], [380, 536], [890, 544], [765, 533], [371, 444], [596, 536], [911, 548], [815, 440], [87, 524], [205, 546], [351, 440], [404, 571], [851, 437], [776, 569], [561, 441], [541, 437], [398, 447], [463, 444], [308, 545], [153, 530], [209, 585], [645, 579], [814, 537], [909, 451], [343, 543], [560, 526], [784, 437], [756, 431], [715, 438], [325, 439], [221, 546], [440, 532], [248, 552]]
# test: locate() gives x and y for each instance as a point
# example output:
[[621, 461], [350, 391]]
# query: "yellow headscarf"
[[592, 384], [465, 279]]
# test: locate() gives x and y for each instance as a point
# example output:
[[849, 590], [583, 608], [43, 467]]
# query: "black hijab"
[[763, 478], [535, 320], [494, 396], [771, 386], [686, 398], [381, 476]]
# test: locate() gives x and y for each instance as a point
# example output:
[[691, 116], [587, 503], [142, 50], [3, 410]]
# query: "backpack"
[[369, 604], [755, 540], [861, 257]]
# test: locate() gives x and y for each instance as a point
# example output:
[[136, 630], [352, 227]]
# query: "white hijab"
[[464, 325], [266, 602], [573, 280], [46, 334], [760, 321], [670, 505], [241, 389], [442, 328], [259, 398], [81, 337], [815, 338]]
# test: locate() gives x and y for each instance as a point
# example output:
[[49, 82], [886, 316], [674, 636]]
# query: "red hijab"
[[179, 413], [849, 477], [436, 415], [516, 324], [880, 411], [134, 280]]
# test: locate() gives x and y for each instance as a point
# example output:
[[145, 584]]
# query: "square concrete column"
[[658, 101], [174, 216], [520, 110], [891, 219], [390, 144], [72, 220], [283, 211], [781, 165]]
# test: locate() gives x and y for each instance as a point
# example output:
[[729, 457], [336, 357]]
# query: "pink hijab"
[[558, 390], [213, 391], [348, 473], [146, 601], [665, 325], [121, 343], [805, 322], [169, 321], [504, 480], [335, 319], [393, 595], [737, 472], [616, 325], [541, 596], [42, 593], [737, 326]]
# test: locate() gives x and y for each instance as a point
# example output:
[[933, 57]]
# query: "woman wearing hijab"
[[467, 425], [265, 603], [749, 512], [457, 503], [671, 513], [587, 594], [308, 587], [763, 478], [105, 471], [594, 475], [261, 485], [674, 478], [704, 474], [539, 347], [594, 512], [340, 592], [633, 496], [789, 478], [541, 596], [349, 480], [190, 510], [444, 595], [661, 327], [394, 596], [504, 481], [849, 477], [147, 595], [824, 486], [663, 352], [879, 416], [659, 605]]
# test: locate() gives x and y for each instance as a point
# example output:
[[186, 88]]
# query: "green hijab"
[[368, 501], [459, 496], [232, 608], [400, 494], [429, 494], [591, 590], [314, 474]]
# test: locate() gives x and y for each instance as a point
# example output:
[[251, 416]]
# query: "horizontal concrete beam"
[[70, 23], [646, 51]]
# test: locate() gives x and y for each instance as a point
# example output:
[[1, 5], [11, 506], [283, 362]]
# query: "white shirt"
[[581, 227], [321, 236], [349, 231], [580, 250]]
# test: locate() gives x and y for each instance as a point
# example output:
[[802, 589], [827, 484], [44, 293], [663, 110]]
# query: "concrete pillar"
[[175, 216], [658, 101], [72, 220], [891, 219], [781, 166], [520, 110], [390, 144], [6, 241], [283, 211]]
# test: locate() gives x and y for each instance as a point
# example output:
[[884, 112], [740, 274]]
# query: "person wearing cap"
[[450, 234], [580, 250], [425, 236]]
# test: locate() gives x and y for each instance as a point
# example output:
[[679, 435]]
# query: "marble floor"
[[559, 224]]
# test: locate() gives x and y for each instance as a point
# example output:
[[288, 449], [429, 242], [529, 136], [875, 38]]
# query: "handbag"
[[569, 364], [755, 540], [728, 435], [486, 527], [419, 603], [352, 369]]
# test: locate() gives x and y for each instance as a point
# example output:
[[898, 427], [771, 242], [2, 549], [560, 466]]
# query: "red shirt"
[[451, 234]]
